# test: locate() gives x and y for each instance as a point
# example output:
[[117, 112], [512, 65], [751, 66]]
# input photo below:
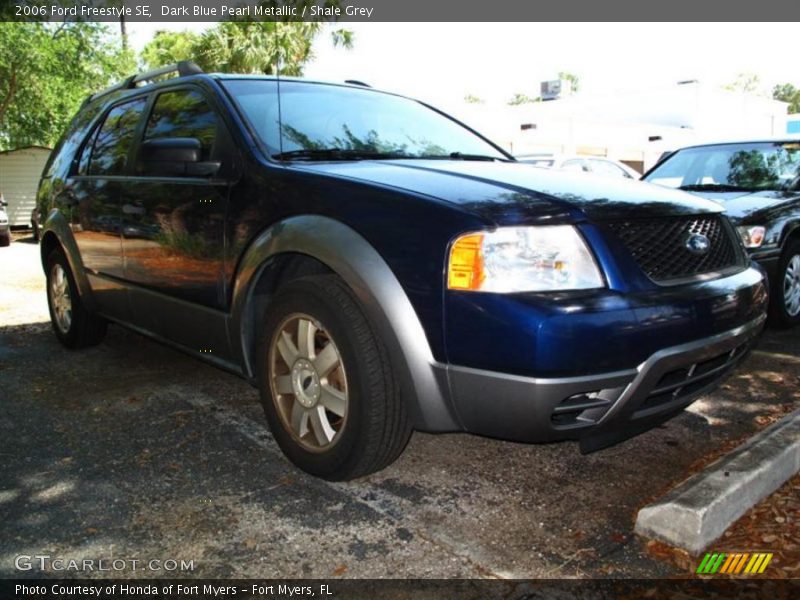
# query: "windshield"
[[731, 167], [328, 122]]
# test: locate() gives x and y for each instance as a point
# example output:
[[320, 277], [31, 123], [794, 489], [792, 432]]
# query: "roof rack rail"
[[357, 82], [184, 68]]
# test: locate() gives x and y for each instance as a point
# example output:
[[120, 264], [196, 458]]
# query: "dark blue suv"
[[374, 267]]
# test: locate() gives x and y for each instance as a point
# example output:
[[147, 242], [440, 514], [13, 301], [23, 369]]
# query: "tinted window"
[[318, 117], [83, 162], [183, 114], [64, 152], [114, 138]]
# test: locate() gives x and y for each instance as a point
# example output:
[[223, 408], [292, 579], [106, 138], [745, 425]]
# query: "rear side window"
[[64, 152], [183, 114], [114, 138]]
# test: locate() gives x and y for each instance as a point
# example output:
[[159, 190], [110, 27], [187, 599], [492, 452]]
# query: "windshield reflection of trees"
[[755, 169], [371, 142]]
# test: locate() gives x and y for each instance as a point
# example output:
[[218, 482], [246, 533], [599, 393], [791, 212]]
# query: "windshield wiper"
[[334, 154], [460, 156], [716, 187]]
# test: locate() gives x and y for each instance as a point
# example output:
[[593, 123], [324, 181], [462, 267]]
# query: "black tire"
[[85, 328], [376, 428], [779, 311], [5, 240]]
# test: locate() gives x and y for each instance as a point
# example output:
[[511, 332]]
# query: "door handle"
[[133, 209]]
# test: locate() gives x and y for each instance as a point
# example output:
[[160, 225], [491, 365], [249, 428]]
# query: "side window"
[[62, 157], [83, 159], [607, 169], [183, 114], [114, 138], [575, 164]]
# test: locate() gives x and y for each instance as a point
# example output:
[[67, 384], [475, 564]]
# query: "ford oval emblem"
[[697, 243]]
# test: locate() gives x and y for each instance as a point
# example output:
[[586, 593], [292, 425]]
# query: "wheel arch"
[[57, 234], [315, 244], [791, 232]]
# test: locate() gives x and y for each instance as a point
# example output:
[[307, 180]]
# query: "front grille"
[[658, 245]]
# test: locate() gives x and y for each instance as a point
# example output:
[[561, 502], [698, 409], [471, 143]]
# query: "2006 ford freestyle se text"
[[374, 267]]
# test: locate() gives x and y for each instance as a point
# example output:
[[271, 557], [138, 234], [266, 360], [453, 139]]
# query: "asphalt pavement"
[[135, 452]]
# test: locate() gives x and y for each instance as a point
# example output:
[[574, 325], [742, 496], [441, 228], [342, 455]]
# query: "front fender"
[[387, 307]]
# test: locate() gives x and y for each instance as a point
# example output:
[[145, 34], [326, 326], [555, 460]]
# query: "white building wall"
[[20, 171], [634, 126]]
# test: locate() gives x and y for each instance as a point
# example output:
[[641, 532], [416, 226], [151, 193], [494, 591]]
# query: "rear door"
[[96, 192]]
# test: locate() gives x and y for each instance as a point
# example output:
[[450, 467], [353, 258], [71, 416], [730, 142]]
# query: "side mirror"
[[174, 157]]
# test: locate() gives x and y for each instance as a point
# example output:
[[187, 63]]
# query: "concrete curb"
[[699, 510]]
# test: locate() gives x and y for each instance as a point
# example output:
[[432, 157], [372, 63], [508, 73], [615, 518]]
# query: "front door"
[[173, 229]]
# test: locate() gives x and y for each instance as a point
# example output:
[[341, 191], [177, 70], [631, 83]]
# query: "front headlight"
[[522, 259], [752, 235]]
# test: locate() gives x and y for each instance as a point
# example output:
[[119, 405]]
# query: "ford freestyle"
[[374, 266]]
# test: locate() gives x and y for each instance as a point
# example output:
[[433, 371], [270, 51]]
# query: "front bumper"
[[603, 408]]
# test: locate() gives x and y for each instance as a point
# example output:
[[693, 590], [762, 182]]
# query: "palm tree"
[[259, 47]]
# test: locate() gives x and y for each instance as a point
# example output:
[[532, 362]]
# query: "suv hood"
[[511, 193], [740, 206]]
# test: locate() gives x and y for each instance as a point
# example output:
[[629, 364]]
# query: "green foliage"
[[573, 79], [786, 92], [259, 47], [46, 70], [169, 47], [242, 46], [745, 82], [519, 98]]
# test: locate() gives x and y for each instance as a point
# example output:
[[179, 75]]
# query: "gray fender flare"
[[58, 225], [423, 381]]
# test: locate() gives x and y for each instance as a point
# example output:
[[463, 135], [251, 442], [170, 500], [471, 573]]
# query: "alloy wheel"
[[60, 298], [308, 382], [791, 286]]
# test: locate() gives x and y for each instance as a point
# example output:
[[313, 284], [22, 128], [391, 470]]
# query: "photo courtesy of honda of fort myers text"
[[358, 299]]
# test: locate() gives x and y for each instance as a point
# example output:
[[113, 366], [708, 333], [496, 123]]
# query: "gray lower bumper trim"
[[522, 408]]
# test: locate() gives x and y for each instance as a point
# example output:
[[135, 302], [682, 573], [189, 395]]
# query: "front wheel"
[[73, 324], [785, 305], [327, 384]]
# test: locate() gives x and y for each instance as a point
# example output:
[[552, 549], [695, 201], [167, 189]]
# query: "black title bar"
[[402, 10]]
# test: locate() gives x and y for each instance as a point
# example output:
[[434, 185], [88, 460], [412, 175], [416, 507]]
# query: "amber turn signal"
[[465, 269]]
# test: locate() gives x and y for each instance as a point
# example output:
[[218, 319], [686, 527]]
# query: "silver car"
[[5, 228]]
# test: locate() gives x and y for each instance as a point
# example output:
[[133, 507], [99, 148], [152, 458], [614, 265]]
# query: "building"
[[634, 126], [20, 171]]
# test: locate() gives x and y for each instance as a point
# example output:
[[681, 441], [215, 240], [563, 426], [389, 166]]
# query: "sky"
[[443, 62]]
